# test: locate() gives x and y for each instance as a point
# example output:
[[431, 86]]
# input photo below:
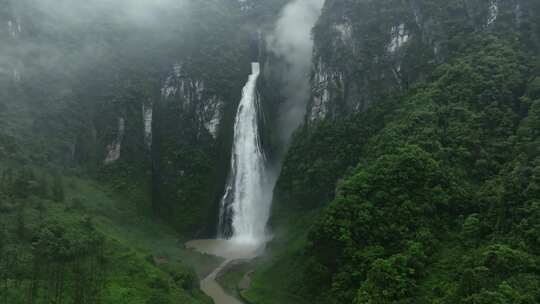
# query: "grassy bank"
[[73, 239]]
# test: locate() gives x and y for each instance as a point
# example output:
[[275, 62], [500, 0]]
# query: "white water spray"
[[246, 203]]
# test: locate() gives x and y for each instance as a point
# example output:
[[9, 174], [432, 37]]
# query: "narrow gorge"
[[245, 206], [269, 151]]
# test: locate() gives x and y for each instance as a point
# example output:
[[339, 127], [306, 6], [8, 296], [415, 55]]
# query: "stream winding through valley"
[[230, 251], [245, 206]]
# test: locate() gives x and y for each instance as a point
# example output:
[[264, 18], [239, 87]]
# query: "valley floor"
[[142, 261]]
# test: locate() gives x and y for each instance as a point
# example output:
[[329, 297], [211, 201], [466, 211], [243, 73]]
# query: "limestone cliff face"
[[187, 96], [196, 102], [188, 145], [145, 107], [11, 33], [365, 49]]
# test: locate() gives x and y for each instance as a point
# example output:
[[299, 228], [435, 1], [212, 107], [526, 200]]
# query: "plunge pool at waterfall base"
[[230, 251]]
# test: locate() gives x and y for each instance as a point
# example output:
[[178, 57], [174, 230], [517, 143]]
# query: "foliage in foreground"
[[441, 195], [54, 250]]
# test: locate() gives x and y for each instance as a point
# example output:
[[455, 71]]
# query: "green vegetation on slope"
[[66, 239], [72, 229], [440, 194], [84, 67]]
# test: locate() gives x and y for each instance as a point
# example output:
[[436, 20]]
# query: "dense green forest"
[[429, 196], [443, 206], [439, 203], [66, 239], [74, 228], [414, 178]]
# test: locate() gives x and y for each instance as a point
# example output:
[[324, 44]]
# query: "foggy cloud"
[[67, 35], [142, 12], [292, 41]]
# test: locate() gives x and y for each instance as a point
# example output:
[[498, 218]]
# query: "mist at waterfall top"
[[291, 38], [292, 41]]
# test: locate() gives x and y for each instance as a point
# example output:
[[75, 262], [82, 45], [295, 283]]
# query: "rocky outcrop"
[[147, 117], [114, 149], [193, 98], [11, 29], [367, 49], [327, 86], [14, 27]]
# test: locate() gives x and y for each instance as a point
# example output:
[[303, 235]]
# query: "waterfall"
[[245, 206]]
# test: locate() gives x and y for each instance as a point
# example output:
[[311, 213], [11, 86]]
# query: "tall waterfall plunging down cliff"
[[245, 206]]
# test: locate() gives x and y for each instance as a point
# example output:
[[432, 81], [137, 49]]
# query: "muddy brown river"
[[230, 251]]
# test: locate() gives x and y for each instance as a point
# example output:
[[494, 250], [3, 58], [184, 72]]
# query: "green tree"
[[58, 188]]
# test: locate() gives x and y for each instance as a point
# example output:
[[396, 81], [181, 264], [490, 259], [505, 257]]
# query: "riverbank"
[[230, 252]]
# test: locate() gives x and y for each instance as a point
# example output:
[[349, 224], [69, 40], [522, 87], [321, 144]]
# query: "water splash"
[[245, 207]]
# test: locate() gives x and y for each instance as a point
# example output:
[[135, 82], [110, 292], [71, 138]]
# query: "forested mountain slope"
[[415, 179], [115, 123], [130, 94]]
